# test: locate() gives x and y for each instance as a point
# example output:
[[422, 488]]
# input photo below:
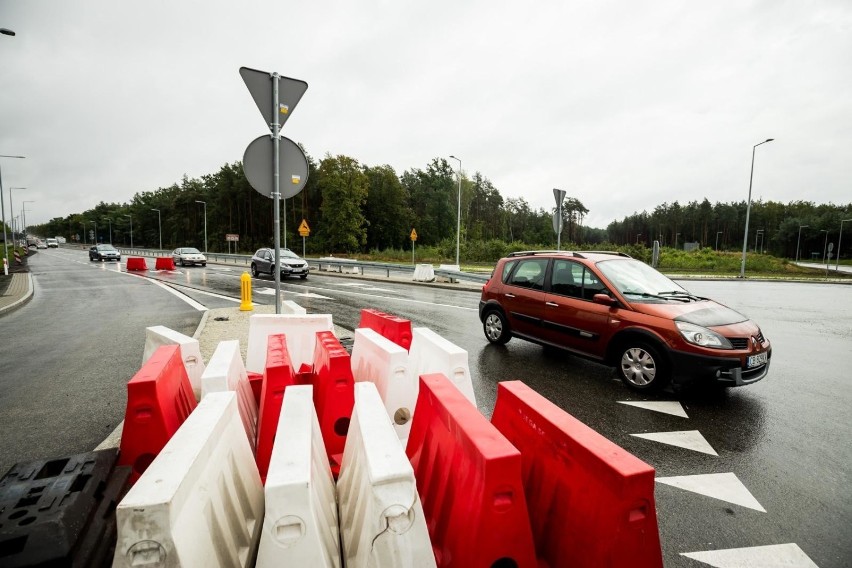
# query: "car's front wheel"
[[254, 270], [303, 276], [496, 327], [642, 366]]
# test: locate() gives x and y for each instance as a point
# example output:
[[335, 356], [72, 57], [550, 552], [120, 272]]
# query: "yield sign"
[[290, 92]]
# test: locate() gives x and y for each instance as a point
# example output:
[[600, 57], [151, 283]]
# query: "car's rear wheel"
[[642, 366], [496, 327], [254, 270]]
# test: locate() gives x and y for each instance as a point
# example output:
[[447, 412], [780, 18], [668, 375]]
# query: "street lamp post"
[[131, 229], [748, 207], [24, 213], [160, 224], [3, 206], [798, 240], [205, 224], [839, 239], [110, 229], [825, 246], [717, 239], [12, 211], [458, 218]]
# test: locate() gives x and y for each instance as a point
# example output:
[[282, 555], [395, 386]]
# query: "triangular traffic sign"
[[290, 92]]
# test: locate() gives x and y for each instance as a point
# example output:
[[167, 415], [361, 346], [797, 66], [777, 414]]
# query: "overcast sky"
[[625, 105]]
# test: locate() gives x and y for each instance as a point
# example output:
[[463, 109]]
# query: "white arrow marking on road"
[[689, 439], [780, 555], [311, 295], [265, 291], [667, 406], [271, 292], [722, 486]]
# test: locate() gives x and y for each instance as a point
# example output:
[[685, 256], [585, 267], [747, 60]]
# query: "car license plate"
[[756, 360]]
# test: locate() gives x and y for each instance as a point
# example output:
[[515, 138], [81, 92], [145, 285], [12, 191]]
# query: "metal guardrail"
[[317, 264]]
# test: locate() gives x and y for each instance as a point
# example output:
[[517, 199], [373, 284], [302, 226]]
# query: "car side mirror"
[[605, 300]]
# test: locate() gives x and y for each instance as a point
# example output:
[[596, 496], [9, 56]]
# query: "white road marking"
[[264, 291], [310, 295], [722, 486], [271, 292], [775, 555], [667, 406], [689, 439], [181, 295]]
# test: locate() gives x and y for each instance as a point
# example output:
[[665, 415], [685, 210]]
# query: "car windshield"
[[190, 251], [286, 253], [106, 247], [638, 281]]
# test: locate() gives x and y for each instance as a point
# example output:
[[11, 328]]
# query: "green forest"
[[354, 209]]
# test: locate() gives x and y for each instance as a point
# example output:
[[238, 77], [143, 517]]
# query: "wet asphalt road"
[[786, 438]]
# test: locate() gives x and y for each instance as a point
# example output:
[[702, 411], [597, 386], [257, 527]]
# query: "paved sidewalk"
[[19, 291]]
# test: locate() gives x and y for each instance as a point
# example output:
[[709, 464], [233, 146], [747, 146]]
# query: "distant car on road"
[[104, 252], [292, 264], [188, 255], [41, 244], [52, 243]]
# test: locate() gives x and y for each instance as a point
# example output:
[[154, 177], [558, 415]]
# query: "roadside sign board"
[[231, 238], [559, 195], [557, 222], [290, 92], [258, 166], [304, 229], [413, 235]]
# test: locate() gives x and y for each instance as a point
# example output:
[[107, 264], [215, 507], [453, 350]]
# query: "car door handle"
[[510, 295], [551, 304]]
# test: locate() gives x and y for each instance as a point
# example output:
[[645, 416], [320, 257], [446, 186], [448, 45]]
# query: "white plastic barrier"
[[379, 360], [424, 273], [200, 502], [381, 518], [291, 307], [300, 329], [190, 352], [300, 523], [225, 372], [455, 267], [431, 353]]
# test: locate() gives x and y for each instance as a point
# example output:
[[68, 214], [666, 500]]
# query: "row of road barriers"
[[307, 456]]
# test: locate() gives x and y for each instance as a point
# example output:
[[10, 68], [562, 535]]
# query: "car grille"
[[742, 342]]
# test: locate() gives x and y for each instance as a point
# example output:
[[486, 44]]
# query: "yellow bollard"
[[245, 293]]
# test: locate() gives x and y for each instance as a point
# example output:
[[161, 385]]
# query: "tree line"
[[355, 208]]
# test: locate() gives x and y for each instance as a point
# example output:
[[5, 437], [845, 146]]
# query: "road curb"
[[22, 300]]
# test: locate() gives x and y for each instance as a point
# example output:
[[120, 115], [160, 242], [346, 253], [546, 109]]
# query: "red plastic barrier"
[[164, 263], [469, 479], [159, 399], [334, 395], [591, 503], [136, 263], [389, 326], [256, 382], [277, 376]]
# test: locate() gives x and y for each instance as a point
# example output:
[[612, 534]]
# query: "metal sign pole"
[[276, 191]]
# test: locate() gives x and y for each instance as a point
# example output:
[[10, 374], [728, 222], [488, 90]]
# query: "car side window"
[[592, 285], [567, 279], [507, 269], [530, 273]]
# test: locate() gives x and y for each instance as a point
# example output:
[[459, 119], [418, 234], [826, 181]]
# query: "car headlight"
[[702, 336]]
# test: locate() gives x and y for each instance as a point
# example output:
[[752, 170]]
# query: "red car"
[[612, 308]]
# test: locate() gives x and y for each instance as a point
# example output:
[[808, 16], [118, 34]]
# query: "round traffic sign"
[[258, 166]]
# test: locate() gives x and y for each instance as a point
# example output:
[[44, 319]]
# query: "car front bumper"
[[729, 371]]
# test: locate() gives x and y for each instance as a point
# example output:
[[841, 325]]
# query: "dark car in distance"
[[609, 307], [291, 264], [104, 252]]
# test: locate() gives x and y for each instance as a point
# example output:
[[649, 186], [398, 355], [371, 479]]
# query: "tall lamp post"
[[2, 205], [109, 220], [825, 246], [458, 218], [205, 223], [12, 211], [131, 229], [24, 213], [160, 224], [839, 240], [748, 207], [800, 239]]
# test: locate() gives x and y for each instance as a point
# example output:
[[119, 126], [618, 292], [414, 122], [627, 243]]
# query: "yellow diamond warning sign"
[[304, 230], [413, 235]]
